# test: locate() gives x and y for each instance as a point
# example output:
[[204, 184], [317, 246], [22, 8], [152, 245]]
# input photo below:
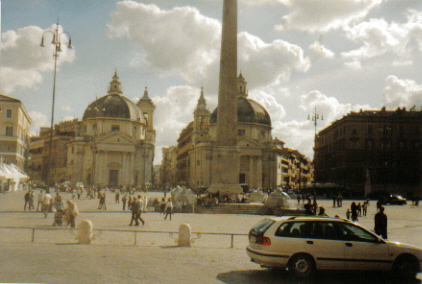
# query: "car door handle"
[[310, 242], [349, 244]]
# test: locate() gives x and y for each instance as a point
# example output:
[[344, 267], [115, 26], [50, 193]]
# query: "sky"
[[299, 57]]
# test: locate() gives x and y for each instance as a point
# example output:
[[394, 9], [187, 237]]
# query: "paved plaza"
[[119, 255]]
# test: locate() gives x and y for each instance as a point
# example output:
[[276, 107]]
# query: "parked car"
[[395, 200], [306, 244]]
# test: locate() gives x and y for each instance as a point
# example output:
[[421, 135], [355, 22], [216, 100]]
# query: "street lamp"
[[57, 48], [95, 110], [315, 117]]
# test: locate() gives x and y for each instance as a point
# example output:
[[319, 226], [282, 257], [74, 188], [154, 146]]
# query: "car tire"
[[302, 266], [406, 268]]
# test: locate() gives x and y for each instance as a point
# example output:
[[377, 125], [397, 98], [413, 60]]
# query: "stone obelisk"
[[225, 158]]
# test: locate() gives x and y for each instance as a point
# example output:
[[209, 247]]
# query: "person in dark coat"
[[27, 197], [135, 211], [381, 223], [354, 209]]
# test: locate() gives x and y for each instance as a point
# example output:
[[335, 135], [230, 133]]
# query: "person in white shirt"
[[45, 203], [168, 209]]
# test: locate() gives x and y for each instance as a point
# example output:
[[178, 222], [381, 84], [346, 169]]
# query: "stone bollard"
[[85, 232], [184, 235]]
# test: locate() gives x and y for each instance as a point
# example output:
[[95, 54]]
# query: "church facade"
[[115, 141], [260, 154]]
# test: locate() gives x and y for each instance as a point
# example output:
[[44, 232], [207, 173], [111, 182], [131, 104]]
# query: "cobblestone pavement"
[[113, 257]]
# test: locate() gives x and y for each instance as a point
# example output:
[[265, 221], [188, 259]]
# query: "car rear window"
[[262, 226]]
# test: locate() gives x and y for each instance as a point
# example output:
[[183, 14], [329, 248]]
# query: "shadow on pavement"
[[280, 276]]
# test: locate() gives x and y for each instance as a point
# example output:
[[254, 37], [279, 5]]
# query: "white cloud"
[[378, 37], [182, 42], [402, 93], [173, 112], [38, 120], [11, 78], [66, 108], [325, 15], [23, 60], [355, 65], [320, 51], [296, 134], [328, 108], [262, 2], [267, 62], [269, 102]]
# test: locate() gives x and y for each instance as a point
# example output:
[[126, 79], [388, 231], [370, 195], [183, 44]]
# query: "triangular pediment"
[[248, 142], [115, 137]]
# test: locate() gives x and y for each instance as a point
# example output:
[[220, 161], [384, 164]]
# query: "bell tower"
[[147, 106], [201, 120]]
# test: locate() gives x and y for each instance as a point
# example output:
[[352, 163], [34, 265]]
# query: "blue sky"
[[337, 55]]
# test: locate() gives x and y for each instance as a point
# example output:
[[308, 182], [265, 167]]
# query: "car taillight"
[[265, 241]]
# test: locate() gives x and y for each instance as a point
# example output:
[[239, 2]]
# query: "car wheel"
[[302, 266], [406, 268]]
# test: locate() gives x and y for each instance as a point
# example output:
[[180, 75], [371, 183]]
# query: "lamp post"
[[314, 116], [57, 48]]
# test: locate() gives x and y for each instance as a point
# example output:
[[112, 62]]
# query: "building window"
[[370, 130], [198, 162], [386, 130], [9, 113], [401, 130], [262, 134], [241, 132], [9, 130], [369, 144], [115, 128]]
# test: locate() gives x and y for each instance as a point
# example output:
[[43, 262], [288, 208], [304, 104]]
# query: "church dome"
[[114, 106], [248, 111]]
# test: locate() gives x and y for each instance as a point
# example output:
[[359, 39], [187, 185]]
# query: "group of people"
[[50, 204], [357, 210]]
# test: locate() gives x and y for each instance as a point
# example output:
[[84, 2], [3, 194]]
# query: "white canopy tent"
[[12, 177]]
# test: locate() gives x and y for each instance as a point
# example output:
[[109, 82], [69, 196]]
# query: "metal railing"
[[99, 231]]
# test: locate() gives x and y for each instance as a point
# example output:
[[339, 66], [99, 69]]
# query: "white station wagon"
[[305, 244]]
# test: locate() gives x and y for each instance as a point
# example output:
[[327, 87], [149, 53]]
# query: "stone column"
[[225, 157], [227, 94], [259, 171]]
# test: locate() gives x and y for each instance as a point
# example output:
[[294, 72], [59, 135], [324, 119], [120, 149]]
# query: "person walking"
[[40, 198], [365, 208], [26, 198], [45, 204], [354, 210], [102, 201], [58, 216], [71, 213], [117, 197], [124, 199], [168, 209], [31, 200], [140, 204], [381, 223], [79, 192], [135, 209]]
